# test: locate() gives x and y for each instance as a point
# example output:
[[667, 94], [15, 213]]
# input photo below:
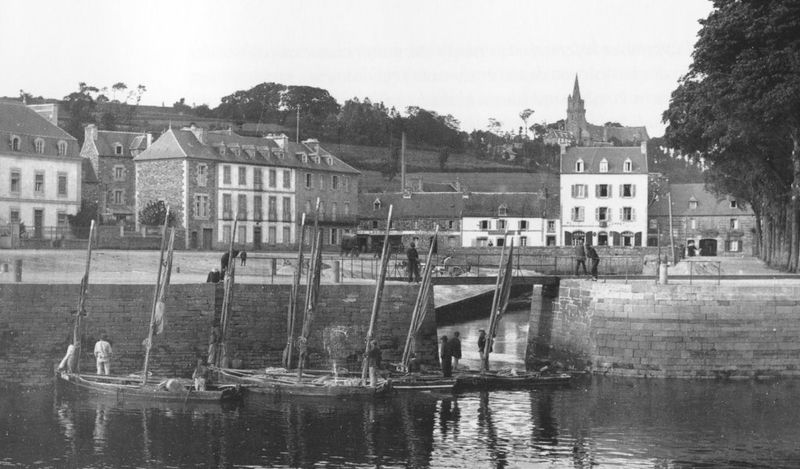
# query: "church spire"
[[576, 90]]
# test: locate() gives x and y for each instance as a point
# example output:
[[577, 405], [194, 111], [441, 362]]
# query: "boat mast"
[[81, 311], [292, 313], [499, 301], [312, 288], [227, 299], [160, 300], [376, 303], [155, 295], [420, 306]]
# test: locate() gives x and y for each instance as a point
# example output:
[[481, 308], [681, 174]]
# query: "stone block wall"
[[686, 331], [36, 325], [161, 180]]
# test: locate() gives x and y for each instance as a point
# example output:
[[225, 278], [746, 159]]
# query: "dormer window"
[[303, 157], [222, 150], [118, 149], [604, 165], [693, 203], [328, 160], [627, 167], [502, 210], [579, 166], [376, 205], [62, 148], [39, 145], [15, 143], [734, 204], [279, 154]]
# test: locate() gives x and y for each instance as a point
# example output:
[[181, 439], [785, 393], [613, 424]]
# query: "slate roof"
[[18, 119], [420, 205], [183, 143], [518, 204], [627, 134], [615, 156], [107, 140], [708, 203]]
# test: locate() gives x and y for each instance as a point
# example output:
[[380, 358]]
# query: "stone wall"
[[687, 331], [36, 324]]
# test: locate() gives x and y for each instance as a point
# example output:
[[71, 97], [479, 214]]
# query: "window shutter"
[[622, 190], [637, 238], [589, 236], [574, 190], [597, 190], [608, 214], [609, 190], [633, 214], [567, 238], [615, 237], [727, 245], [633, 190], [597, 213], [622, 213]]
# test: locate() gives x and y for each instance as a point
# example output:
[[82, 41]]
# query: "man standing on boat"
[[413, 264], [373, 362], [455, 349], [447, 358], [102, 352]]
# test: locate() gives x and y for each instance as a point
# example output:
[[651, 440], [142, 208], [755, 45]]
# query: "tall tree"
[[525, 115], [80, 105]]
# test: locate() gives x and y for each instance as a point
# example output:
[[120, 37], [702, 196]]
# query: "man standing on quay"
[[413, 264]]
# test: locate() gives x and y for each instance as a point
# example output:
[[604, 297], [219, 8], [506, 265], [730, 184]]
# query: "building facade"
[[40, 172], [529, 218], [111, 155], [714, 225], [604, 195]]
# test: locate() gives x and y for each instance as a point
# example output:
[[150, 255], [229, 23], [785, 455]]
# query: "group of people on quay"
[[450, 353], [582, 252]]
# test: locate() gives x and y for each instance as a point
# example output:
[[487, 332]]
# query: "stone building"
[[586, 134], [211, 178], [604, 195], [40, 171], [714, 225], [529, 218], [111, 155]]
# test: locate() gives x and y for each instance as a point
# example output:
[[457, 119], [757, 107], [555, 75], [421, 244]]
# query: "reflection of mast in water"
[[545, 427], [100, 426], [486, 423], [449, 413], [148, 455], [372, 435], [67, 421], [418, 456]]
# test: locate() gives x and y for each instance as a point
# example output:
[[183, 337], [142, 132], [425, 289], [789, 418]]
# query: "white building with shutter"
[[529, 218], [604, 195]]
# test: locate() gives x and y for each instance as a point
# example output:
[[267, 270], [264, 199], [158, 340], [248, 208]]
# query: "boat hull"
[[490, 380], [286, 385], [132, 389]]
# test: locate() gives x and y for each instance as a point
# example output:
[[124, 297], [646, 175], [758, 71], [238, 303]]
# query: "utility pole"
[[671, 235], [403, 162], [297, 130]]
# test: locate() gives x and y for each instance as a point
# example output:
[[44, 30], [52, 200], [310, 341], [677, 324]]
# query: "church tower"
[[576, 113]]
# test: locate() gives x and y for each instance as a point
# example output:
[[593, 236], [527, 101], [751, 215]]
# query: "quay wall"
[[36, 323], [683, 331]]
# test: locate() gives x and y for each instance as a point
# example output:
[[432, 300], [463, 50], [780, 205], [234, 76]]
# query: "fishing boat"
[[139, 387], [503, 379]]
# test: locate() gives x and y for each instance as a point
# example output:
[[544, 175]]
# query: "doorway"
[[708, 247], [38, 223], [208, 238]]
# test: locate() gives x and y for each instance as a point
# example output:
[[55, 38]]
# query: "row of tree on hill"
[[738, 107]]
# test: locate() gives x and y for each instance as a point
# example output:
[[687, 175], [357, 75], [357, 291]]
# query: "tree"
[[444, 154], [79, 222], [739, 102], [153, 214], [525, 115], [80, 106], [612, 124]]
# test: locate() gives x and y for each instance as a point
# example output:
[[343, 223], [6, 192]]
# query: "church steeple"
[[576, 113], [576, 90]]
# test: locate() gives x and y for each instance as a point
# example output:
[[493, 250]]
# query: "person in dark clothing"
[[482, 342], [413, 364], [214, 340], [580, 258], [592, 255], [224, 260], [692, 249], [447, 358], [243, 257], [213, 276], [455, 349], [413, 264], [373, 362]]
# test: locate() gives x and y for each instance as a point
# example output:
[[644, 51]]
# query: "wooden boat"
[[309, 386], [131, 388], [423, 382], [502, 380]]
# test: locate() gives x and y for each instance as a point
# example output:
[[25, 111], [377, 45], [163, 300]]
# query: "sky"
[[473, 59]]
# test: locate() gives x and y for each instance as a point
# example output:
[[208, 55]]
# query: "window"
[[241, 207], [13, 216], [734, 204], [15, 177], [39, 145], [579, 191], [258, 212], [579, 166], [551, 226], [242, 235], [202, 175], [222, 150], [627, 239], [602, 238], [309, 181], [119, 198], [201, 207], [117, 149], [287, 179], [226, 174], [577, 214], [602, 214], [322, 211], [450, 224], [308, 206], [62, 184], [15, 143], [242, 176], [627, 190], [502, 210], [257, 179], [287, 209], [61, 219], [119, 172], [334, 183], [692, 223], [734, 246], [226, 234], [333, 235], [692, 204], [347, 183], [376, 205], [602, 191], [734, 223], [523, 240], [321, 182], [604, 165], [227, 210], [628, 214], [334, 209], [346, 208], [273, 178], [523, 224], [627, 167], [652, 224], [38, 183], [287, 235], [374, 224], [62, 148], [484, 224], [501, 224], [272, 208]]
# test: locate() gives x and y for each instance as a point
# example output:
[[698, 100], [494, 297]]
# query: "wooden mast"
[[499, 302], [81, 311], [292, 313], [155, 295], [420, 306], [376, 303], [160, 299], [227, 299], [311, 301]]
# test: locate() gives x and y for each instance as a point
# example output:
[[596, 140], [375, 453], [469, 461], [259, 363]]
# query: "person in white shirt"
[[102, 352]]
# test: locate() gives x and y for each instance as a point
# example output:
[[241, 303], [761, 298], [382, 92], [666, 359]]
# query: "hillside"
[[519, 181]]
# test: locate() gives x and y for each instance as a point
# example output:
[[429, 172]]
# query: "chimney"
[[198, 132], [280, 139], [149, 139], [644, 148], [90, 132], [312, 143]]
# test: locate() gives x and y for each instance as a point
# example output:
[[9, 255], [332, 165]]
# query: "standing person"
[[580, 258], [481, 341], [102, 352], [67, 363], [213, 345], [455, 349], [213, 276], [223, 264], [243, 257], [447, 358], [373, 362], [413, 263], [200, 375], [592, 255]]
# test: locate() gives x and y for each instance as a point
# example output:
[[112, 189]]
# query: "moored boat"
[[503, 379], [309, 385], [131, 388]]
